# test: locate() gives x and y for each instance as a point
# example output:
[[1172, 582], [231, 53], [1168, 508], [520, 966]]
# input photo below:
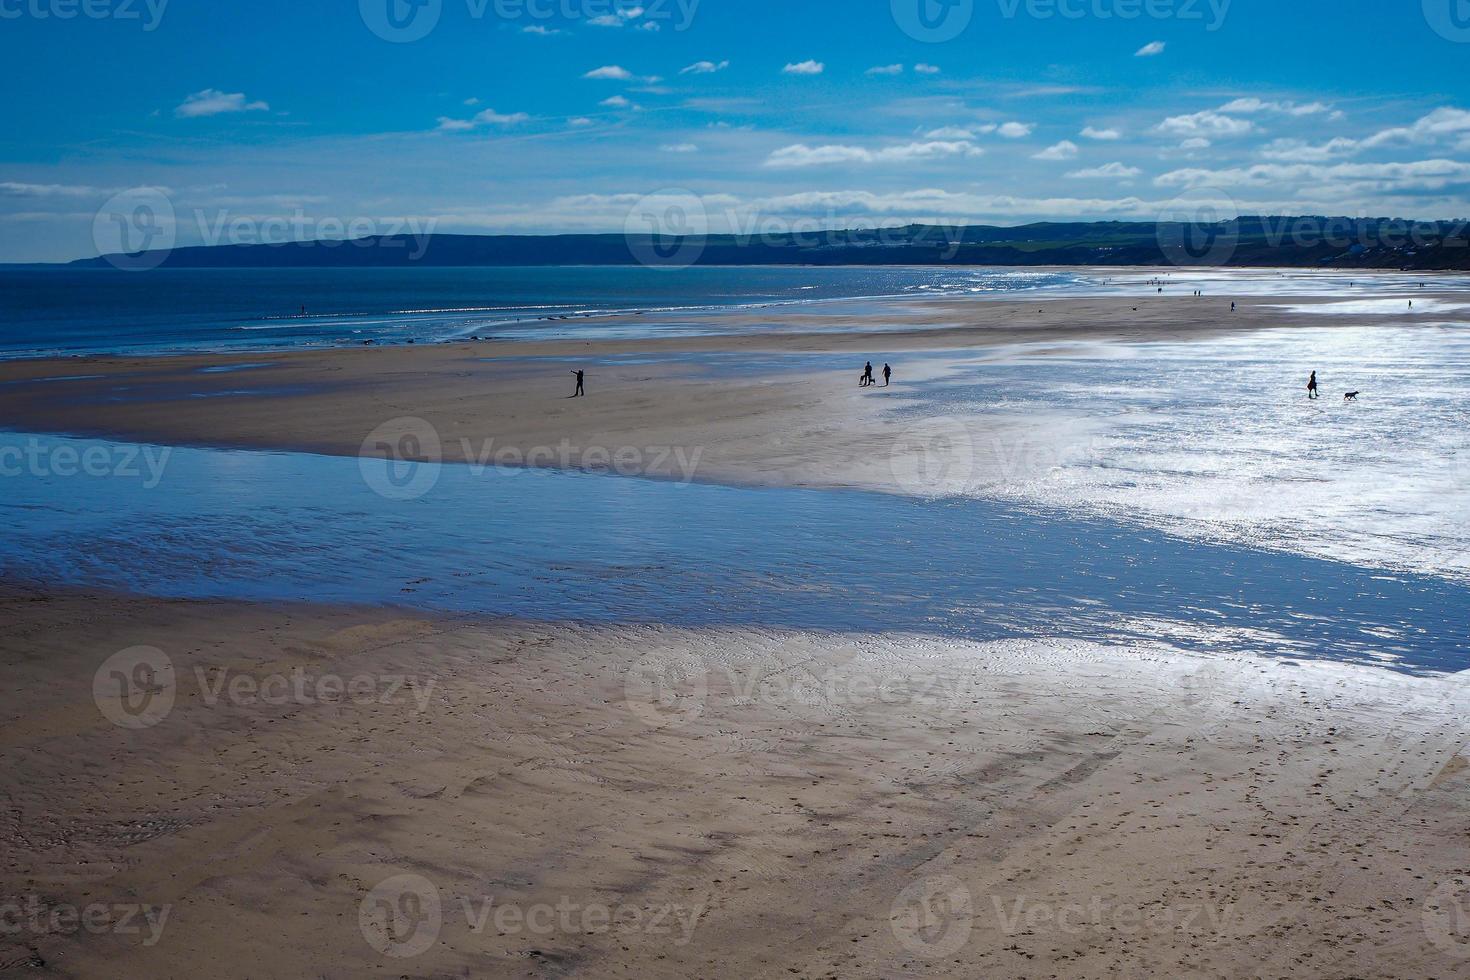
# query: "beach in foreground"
[[1093, 648], [337, 792]]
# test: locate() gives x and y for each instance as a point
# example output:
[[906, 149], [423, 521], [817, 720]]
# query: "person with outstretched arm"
[[580, 392]]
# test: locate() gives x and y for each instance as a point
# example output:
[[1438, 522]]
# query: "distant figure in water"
[[1232, 307], [1312, 385], [887, 375], [580, 392], [303, 309]]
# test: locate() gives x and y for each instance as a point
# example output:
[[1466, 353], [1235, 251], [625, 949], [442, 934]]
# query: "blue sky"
[[267, 118]]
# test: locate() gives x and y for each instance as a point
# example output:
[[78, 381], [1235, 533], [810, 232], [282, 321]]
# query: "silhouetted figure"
[[580, 392], [1312, 385], [887, 375], [1232, 307], [868, 373]]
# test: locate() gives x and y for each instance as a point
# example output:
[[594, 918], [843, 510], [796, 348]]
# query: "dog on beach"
[[1351, 396]]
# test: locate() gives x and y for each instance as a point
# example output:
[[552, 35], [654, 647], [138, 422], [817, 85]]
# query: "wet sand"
[[657, 802], [755, 408]]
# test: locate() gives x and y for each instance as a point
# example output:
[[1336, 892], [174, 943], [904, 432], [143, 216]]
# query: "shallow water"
[[546, 544], [1215, 438]]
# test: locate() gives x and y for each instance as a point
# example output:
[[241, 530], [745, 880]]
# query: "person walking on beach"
[[1312, 385], [868, 375], [887, 375], [580, 392]]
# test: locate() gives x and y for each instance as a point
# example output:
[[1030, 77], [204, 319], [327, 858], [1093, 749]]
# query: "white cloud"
[[1207, 123], [958, 132], [541, 30], [1101, 134], [679, 148], [885, 70], [1342, 178], [579, 121], [1301, 151], [1065, 150], [1015, 130], [620, 17], [1150, 49], [1115, 171], [1195, 143], [213, 102], [801, 155], [472, 101], [805, 68], [705, 68], [615, 102], [1246, 107], [924, 69], [615, 73], [486, 117], [1444, 122]]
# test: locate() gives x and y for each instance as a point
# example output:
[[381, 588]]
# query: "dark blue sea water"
[[46, 311]]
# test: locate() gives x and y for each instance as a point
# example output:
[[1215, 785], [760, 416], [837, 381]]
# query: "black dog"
[[1351, 396]]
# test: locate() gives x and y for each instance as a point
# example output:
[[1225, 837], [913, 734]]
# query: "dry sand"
[[793, 805], [751, 420]]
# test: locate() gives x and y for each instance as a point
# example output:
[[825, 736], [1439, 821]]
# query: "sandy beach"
[[222, 788], [752, 407], [551, 799]]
